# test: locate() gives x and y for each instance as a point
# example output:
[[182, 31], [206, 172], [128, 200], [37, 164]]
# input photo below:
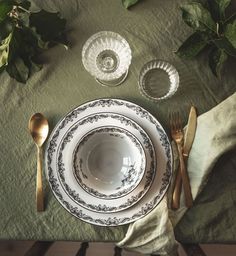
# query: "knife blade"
[[188, 141], [190, 131]]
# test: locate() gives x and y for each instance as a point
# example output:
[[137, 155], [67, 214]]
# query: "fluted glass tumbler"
[[158, 80]]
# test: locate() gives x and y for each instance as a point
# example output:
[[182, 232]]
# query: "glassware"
[[107, 56], [158, 80]]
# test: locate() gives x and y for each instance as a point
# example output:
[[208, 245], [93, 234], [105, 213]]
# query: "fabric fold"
[[215, 135]]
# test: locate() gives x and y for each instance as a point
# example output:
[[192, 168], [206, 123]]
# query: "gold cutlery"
[[38, 127], [188, 141], [178, 136]]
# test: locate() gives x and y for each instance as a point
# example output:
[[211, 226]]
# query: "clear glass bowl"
[[158, 80], [107, 56]]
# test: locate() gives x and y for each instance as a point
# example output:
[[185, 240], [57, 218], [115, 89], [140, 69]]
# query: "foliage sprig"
[[24, 35]]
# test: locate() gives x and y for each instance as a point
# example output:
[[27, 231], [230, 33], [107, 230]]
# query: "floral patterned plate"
[[86, 197], [163, 154]]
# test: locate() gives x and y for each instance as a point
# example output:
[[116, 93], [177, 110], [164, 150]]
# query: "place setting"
[[109, 162], [117, 124]]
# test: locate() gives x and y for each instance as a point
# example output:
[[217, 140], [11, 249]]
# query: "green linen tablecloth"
[[154, 29]]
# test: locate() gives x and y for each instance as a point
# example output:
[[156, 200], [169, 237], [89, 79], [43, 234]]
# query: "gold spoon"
[[38, 127]]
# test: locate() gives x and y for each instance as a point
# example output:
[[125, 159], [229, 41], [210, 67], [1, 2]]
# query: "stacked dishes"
[[108, 162]]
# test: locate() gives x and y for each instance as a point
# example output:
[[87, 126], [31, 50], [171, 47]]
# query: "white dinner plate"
[[65, 172], [163, 157]]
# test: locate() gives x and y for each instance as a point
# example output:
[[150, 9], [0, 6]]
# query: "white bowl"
[[109, 162]]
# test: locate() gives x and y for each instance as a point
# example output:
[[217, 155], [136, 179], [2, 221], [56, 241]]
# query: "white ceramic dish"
[[162, 150], [64, 163], [109, 162]]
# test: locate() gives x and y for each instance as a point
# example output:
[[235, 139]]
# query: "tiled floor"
[[18, 248]]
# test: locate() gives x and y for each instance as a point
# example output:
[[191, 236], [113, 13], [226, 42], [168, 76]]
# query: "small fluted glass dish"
[[158, 80], [107, 56]]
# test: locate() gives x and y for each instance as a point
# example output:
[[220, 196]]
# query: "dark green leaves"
[[197, 17], [5, 8], [217, 8], [18, 69], [212, 29], [230, 33], [128, 3], [24, 35], [223, 43], [49, 25], [217, 58], [192, 46], [6, 27]]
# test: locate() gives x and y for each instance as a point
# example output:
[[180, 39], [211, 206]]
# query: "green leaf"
[[217, 8], [128, 3], [230, 33], [2, 69], [23, 18], [6, 27], [40, 43], [225, 45], [49, 25], [17, 69], [34, 67], [231, 18], [23, 48], [217, 58], [31, 33], [198, 17], [192, 46], [5, 8], [23, 3], [4, 50]]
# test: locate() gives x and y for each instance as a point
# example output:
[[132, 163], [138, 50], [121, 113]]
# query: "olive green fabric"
[[154, 29]]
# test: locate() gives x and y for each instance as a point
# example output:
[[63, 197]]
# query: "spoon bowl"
[[38, 127]]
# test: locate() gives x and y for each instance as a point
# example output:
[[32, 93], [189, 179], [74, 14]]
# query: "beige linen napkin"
[[215, 135]]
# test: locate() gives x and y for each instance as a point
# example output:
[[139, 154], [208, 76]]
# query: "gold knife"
[[188, 141]]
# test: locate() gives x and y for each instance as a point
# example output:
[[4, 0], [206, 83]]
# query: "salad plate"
[[90, 197], [163, 155]]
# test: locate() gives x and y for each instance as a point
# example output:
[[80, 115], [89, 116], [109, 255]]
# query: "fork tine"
[[175, 124], [171, 119], [178, 122], [175, 121]]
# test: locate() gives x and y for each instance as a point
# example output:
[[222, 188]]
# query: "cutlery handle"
[[185, 179], [177, 190], [39, 182]]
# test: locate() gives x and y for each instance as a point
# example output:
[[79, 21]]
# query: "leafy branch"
[[24, 35], [213, 30]]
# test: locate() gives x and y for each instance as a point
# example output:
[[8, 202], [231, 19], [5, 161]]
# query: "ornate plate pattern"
[[163, 155], [69, 182], [122, 185]]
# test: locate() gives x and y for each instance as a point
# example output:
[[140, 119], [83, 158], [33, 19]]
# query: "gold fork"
[[178, 136]]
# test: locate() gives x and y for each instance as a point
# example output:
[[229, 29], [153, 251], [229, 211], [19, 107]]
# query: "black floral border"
[[110, 221]]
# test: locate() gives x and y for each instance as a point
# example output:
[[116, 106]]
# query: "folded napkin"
[[215, 135]]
